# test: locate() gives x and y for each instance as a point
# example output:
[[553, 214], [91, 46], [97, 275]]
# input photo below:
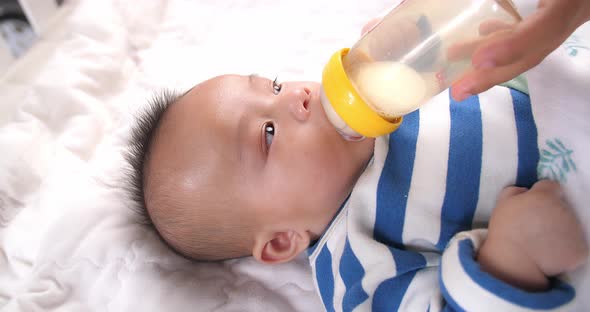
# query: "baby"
[[242, 165], [245, 166]]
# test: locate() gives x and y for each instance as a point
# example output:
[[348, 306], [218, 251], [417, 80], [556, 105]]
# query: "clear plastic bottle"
[[418, 50]]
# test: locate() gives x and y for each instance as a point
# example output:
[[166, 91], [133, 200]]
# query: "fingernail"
[[488, 64], [463, 89], [463, 96]]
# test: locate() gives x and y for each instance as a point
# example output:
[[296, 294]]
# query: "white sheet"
[[67, 242]]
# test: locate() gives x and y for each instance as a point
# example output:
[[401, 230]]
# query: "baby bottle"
[[418, 50]]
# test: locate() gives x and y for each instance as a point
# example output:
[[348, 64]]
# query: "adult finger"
[[478, 81], [488, 31], [534, 37]]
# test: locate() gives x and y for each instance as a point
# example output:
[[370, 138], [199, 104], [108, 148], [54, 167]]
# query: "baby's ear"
[[279, 247]]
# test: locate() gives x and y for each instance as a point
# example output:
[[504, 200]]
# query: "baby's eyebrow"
[[187, 91], [251, 77]]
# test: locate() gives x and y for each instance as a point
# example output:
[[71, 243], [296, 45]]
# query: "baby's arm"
[[533, 234]]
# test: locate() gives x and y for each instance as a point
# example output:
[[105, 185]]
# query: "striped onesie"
[[406, 237]]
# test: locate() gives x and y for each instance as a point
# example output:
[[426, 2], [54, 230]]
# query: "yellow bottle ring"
[[349, 105]]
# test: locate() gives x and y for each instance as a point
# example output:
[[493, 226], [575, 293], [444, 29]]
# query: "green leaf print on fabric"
[[573, 45], [555, 161]]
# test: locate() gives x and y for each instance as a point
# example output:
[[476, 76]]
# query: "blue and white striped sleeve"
[[465, 287]]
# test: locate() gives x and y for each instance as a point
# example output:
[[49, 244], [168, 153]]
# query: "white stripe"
[[336, 247], [499, 163], [421, 291], [373, 256], [468, 294], [437, 302], [427, 189]]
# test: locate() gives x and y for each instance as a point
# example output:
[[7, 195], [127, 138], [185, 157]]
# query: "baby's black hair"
[[138, 152], [137, 155]]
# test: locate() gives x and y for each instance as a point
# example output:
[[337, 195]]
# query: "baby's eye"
[[276, 86], [269, 133]]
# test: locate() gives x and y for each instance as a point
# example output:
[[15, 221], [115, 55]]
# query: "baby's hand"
[[533, 234]]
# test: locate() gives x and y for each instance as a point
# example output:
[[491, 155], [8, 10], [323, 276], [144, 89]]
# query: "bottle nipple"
[[346, 109], [339, 124]]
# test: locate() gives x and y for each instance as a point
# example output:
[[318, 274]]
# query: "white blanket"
[[67, 239]]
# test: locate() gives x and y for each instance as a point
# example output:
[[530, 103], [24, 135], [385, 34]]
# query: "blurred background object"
[[14, 27], [21, 22]]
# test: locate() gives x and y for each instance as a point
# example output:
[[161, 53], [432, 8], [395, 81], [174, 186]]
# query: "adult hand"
[[516, 50]]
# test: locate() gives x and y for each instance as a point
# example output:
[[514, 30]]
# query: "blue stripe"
[[392, 197], [325, 278], [394, 183], [449, 308], [559, 293], [528, 150], [352, 273], [389, 294], [464, 169]]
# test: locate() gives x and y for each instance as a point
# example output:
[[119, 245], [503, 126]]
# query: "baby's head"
[[239, 166]]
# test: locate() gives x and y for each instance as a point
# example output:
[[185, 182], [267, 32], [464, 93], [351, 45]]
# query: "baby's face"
[[267, 151]]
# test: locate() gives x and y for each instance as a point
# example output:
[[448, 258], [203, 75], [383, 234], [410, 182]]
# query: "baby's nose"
[[299, 103]]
